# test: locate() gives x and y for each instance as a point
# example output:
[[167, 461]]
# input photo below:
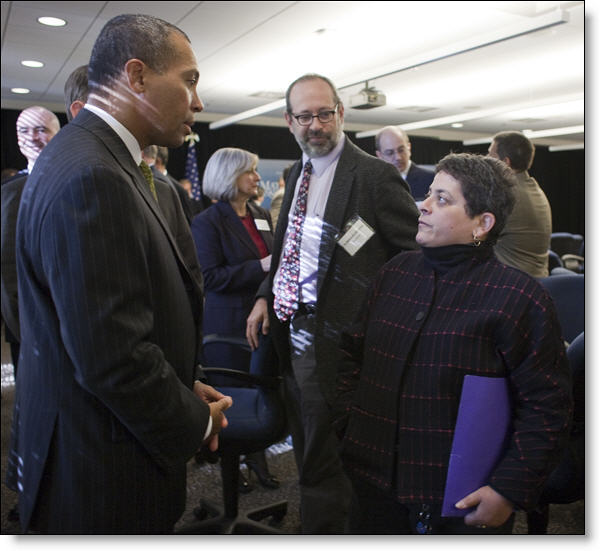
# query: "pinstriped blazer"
[[373, 189], [105, 418]]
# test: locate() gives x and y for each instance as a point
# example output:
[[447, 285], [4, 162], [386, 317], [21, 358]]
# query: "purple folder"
[[479, 441]]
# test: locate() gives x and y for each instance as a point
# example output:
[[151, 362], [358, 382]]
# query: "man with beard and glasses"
[[344, 214]]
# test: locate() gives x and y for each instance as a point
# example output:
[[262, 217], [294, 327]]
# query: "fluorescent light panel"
[[554, 131], [542, 22], [567, 147], [532, 134]]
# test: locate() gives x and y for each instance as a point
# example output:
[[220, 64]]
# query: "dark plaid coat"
[[399, 385]]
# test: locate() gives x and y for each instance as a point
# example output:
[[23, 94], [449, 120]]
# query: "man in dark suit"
[[160, 167], [393, 146], [108, 410], [356, 215], [36, 126]]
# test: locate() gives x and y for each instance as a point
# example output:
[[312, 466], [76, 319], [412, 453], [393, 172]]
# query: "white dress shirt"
[[318, 192]]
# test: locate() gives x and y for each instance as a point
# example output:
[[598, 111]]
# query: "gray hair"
[[223, 169]]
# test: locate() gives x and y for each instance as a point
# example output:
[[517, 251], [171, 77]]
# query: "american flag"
[[191, 167]]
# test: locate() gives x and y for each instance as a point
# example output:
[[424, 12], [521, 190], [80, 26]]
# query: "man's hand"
[[218, 403], [492, 509], [259, 314]]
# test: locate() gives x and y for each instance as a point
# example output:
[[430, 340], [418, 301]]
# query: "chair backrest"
[[554, 260], [568, 294], [257, 417], [576, 356], [566, 243]]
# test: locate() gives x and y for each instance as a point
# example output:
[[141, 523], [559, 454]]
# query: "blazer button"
[[420, 316]]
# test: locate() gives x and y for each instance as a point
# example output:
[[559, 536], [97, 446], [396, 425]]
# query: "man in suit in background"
[[76, 91], [108, 410], [393, 146], [329, 242], [525, 240], [160, 166], [36, 126]]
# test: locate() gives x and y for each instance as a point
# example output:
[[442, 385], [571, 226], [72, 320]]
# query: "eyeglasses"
[[305, 119]]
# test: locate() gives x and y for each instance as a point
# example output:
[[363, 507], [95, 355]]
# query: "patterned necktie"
[[147, 172], [287, 292]]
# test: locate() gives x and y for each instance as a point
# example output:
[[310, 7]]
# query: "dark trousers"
[[374, 512], [325, 490]]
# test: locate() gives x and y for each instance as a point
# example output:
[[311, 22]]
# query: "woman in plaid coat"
[[432, 317]]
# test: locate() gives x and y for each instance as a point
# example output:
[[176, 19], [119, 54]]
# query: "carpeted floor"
[[204, 481]]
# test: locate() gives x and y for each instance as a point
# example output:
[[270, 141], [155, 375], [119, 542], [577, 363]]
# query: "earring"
[[476, 240]]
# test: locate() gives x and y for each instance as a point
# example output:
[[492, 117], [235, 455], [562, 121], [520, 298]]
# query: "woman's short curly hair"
[[223, 169], [487, 186]]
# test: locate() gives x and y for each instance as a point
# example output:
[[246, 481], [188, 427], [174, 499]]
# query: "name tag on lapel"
[[261, 225], [354, 235]]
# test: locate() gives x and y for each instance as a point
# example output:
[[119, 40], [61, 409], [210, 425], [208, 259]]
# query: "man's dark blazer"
[[373, 189], [172, 209], [419, 179], [11, 197], [105, 415], [184, 198], [232, 272]]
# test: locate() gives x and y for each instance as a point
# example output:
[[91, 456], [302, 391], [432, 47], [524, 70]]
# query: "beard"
[[319, 150]]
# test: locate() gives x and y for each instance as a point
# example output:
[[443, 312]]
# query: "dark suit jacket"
[[172, 209], [11, 197], [419, 179], [232, 273], [105, 415], [184, 198], [373, 189]]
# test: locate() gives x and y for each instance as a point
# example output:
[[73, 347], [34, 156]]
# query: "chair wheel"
[[200, 513]]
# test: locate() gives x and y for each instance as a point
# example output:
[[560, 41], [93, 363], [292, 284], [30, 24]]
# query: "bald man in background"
[[393, 146], [36, 126]]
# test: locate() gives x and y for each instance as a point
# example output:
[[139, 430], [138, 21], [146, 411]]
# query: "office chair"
[[567, 482], [554, 260], [568, 294], [256, 420], [566, 243]]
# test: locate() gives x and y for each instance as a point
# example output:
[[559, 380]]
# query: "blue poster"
[[270, 171]]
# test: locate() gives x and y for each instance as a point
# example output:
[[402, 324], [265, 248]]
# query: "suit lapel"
[[119, 151], [335, 210], [267, 235], [235, 225]]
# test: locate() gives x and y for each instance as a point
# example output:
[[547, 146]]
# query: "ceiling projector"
[[367, 98]]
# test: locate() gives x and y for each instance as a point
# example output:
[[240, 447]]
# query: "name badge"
[[355, 234], [261, 225]]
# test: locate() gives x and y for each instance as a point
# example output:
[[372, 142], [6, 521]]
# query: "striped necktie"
[[287, 292], [147, 172]]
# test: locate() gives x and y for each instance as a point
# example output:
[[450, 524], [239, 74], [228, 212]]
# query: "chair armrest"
[[254, 380], [225, 339]]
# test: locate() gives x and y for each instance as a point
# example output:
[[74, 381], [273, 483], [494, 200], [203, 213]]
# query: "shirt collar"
[[128, 138], [321, 163], [405, 173]]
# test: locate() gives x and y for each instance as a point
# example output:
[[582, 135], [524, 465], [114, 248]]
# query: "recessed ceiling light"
[[32, 63], [20, 90], [457, 125], [52, 21]]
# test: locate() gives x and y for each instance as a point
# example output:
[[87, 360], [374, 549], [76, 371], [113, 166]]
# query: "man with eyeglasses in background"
[[343, 216], [393, 146]]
